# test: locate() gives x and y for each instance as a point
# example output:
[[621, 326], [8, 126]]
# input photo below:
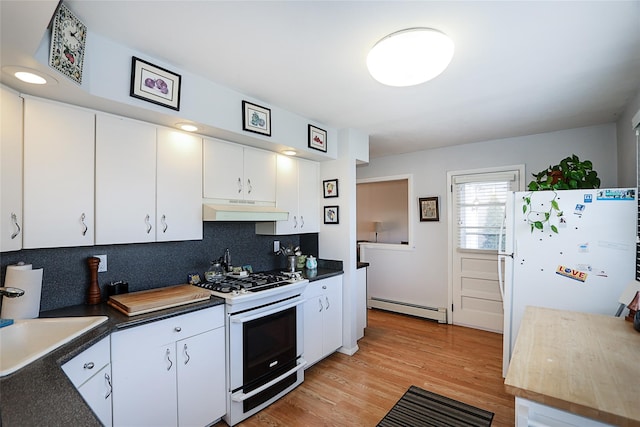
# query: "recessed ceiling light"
[[410, 57], [29, 75], [30, 78], [289, 153], [188, 127]]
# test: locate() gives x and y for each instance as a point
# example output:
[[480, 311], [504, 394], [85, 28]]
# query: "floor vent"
[[433, 313]]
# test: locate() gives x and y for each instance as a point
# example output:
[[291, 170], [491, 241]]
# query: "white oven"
[[264, 333]]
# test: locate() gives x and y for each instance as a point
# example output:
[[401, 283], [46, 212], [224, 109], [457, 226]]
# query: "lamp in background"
[[377, 226], [410, 57]]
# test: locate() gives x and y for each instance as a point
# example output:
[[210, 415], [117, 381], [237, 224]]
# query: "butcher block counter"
[[585, 364]]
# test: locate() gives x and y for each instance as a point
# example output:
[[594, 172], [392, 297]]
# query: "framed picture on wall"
[[317, 138], [429, 209], [330, 188], [256, 119], [155, 84], [331, 215]]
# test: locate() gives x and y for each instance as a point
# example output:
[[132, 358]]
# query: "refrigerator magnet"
[[579, 210], [571, 273]]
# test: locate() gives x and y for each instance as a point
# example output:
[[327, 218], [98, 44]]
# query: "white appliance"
[[585, 266]]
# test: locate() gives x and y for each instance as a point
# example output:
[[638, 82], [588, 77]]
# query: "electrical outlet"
[[276, 245], [103, 263]]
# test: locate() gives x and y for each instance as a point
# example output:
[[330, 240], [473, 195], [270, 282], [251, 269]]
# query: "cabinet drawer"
[[88, 363], [169, 330]]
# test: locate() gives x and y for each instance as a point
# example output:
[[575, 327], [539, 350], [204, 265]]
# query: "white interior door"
[[477, 205]]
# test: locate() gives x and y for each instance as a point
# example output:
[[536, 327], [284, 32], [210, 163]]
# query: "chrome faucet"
[[9, 292]]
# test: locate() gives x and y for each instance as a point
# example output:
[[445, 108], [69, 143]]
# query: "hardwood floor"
[[397, 351]]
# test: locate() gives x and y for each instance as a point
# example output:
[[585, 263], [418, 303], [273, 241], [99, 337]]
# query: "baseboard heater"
[[433, 313]]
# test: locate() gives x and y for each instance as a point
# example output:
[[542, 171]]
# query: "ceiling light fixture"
[[410, 57], [289, 153], [187, 127], [29, 75]]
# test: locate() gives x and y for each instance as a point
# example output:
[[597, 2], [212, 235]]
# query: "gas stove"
[[256, 288]]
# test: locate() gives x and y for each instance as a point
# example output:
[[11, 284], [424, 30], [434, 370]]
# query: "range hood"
[[211, 212]]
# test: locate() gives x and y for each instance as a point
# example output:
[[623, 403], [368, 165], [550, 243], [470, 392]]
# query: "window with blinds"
[[480, 204]]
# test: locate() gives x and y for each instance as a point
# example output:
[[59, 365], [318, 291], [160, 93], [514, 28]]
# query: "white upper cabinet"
[[179, 186], [125, 181], [236, 173], [58, 175], [10, 171], [148, 183], [297, 193]]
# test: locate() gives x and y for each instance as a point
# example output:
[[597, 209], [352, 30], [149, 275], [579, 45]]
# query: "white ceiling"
[[519, 68]]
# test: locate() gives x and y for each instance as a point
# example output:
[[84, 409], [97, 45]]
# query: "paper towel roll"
[[30, 281]]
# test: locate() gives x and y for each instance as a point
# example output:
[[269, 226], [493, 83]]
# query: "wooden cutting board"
[[141, 302]]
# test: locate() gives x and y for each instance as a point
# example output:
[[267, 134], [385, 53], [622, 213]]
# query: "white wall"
[[627, 155], [422, 268]]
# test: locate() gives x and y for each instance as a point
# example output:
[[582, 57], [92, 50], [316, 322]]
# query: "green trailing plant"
[[569, 174]]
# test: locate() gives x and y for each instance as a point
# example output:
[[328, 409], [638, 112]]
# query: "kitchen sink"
[[29, 339]]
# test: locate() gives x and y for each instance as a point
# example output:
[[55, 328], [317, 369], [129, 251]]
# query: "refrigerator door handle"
[[501, 233], [501, 259]]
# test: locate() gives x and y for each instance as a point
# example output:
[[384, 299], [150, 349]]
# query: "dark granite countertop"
[[41, 393]]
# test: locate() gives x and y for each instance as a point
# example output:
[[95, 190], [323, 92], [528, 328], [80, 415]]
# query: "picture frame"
[[317, 138], [330, 188], [331, 215], [428, 208], [256, 119], [155, 84]]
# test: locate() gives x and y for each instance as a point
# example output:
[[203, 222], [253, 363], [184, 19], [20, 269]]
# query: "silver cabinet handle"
[[320, 304], [89, 365], [177, 329], [186, 355], [164, 223], [301, 221], [146, 221], [239, 185], [169, 360], [295, 221], [107, 380], [327, 299], [82, 218], [249, 186], [14, 219]]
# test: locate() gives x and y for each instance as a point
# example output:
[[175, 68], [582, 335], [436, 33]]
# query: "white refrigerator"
[[584, 266]]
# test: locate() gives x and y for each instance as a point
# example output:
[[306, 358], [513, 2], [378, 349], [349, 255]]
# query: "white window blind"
[[480, 202]]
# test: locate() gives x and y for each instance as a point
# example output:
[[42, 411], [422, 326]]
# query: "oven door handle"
[[240, 319], [239, 396]]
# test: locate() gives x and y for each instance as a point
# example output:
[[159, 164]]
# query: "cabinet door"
[[97, 393], [259, 175], [287, 194], [313, 323], [223, 170], [58, 175], [332, 300], [144, 384], [179, 186], [10, 171], [125, 181], [201, 378], [308, 196]]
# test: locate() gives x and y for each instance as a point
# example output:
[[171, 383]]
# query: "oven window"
[[269, 344]]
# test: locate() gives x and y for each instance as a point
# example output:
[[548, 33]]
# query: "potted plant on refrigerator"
[[570, 174]]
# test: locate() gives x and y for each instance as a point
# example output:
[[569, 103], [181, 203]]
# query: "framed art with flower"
[[331, 215], [155, 84], [330, 188]]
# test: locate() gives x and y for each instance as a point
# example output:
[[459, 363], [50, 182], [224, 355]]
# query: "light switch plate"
[[103, 263], [276, 245]]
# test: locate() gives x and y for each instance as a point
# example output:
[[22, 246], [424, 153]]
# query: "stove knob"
[[244, 291], [235, 292]]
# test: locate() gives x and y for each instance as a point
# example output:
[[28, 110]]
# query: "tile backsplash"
[[152, 265]]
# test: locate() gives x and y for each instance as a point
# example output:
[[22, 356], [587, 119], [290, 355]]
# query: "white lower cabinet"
[[90, 373], [170, 372], [322, 318], [533, 414]]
